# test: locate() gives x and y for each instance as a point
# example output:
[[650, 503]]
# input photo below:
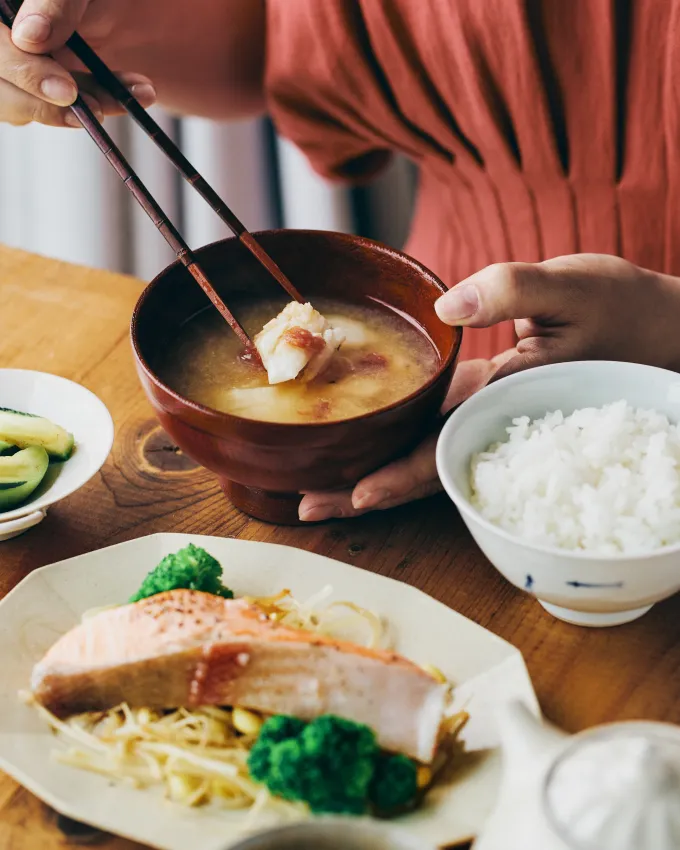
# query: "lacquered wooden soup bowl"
[[263, 466]]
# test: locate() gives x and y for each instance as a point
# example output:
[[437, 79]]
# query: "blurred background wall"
[[59, 197]]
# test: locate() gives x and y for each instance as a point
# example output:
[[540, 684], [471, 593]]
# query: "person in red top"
[[546, 135]]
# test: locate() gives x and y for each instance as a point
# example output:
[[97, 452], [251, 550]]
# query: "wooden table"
[[74, 322]]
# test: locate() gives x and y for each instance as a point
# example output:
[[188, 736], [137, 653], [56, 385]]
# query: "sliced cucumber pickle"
[[25, 429], [20, 474]]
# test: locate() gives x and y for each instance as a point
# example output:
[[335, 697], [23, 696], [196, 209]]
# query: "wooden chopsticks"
[[108, 81]]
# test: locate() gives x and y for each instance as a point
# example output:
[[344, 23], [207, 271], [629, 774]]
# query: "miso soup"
[[383, 359]]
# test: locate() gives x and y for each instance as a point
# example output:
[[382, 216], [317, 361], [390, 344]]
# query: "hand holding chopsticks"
[[110, 83]]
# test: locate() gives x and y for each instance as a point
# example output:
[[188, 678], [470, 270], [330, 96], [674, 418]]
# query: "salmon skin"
[[188, 648]]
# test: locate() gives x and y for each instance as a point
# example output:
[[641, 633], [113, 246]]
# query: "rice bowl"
[[580, 568]]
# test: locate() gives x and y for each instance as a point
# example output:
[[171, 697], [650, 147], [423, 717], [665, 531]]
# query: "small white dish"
[[578, 587], [75, 409], [15, 527], [485, 669]]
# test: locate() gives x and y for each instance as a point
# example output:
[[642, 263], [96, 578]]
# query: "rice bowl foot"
[[595, 619]]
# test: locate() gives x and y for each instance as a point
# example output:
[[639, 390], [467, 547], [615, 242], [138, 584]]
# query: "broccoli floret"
[[330, 764], [192, 568], [394, 784], [275, 730], [280, 728], [327, 763]]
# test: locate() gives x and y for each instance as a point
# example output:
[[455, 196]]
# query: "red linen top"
[[540, 127]]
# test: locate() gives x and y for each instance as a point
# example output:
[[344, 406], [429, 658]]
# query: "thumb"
[[501, 292], [43, 26]]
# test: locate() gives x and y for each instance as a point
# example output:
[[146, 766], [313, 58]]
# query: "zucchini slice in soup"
[[25, 429], [20, 474]]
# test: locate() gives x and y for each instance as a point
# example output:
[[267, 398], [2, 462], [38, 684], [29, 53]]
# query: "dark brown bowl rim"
[[220, 415]]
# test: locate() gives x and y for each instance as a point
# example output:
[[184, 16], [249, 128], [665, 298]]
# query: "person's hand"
[[410, 478], [580, 307], [34, 87]]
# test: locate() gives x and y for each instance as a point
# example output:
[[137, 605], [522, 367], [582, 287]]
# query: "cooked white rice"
[[603, 480]]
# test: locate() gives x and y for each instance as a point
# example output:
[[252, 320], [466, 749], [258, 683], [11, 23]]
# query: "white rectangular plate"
[[51, 600]]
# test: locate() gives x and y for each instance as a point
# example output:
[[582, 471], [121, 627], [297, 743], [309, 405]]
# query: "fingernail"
[[59, 91], [320, 513], [370, 500], [33, 28], [144, 93], [461, 302]]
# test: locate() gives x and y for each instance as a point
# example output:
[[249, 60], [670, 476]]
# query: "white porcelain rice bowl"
[[578, 586]]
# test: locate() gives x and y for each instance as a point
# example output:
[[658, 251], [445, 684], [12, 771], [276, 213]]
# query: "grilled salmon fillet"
[[187, 648]]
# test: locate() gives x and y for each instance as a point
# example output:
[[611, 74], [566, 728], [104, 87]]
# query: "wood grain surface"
[[74, 322]]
